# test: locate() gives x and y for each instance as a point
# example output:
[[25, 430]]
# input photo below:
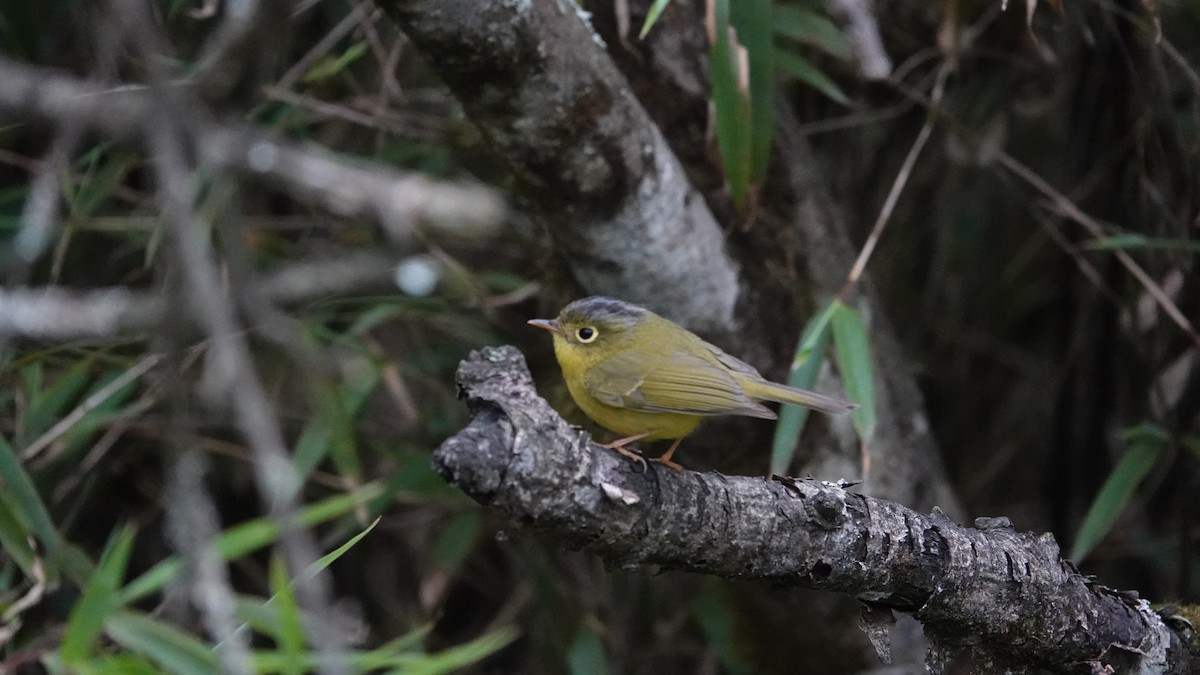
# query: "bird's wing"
[[732, 362], [675, 383]]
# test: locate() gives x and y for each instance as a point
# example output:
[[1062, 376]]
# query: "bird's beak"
[[546, 324]]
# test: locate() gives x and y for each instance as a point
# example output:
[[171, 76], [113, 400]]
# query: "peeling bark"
[[535, 79], [1006, 596]]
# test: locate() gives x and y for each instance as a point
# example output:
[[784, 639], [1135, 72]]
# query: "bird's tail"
[[770, 391]]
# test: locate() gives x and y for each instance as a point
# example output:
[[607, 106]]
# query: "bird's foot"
[[636, 457], [666, 461]]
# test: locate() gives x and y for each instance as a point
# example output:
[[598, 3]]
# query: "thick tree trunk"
[[590, 163]]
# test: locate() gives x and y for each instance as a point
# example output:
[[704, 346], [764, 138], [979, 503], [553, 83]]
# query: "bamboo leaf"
[[798, 67], [585, 655], [731, 104], [291, 631], [1145, 446], [656, 11], [332, 65], [14, 540], [754, 22], [98, 601], [248, 537], [811, 28], [23, 500], [853, 352], [806, 365], [1134, 242], [171, 648]]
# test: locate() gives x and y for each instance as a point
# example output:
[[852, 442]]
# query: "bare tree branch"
[[399, 202], [1004, 595], [56, 314], [535, 79]]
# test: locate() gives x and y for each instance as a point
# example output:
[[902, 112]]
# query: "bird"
[[647, 378]]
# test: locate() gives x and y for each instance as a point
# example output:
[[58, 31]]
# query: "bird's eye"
[[586, 334]]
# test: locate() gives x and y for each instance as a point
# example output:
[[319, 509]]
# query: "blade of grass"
[[656, 11], [1130, 242], [248, 537], [27, 508], [797, 66], [853, 354], [585, 655], [14, 540], [731, 103], [291, 631], [1145, 445], [98, 601], [809, 27], [171, 648], [715, 616], [754, 22], [47, 404], [806, 364]]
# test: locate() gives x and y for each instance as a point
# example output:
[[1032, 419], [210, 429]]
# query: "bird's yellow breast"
[[575, 364]]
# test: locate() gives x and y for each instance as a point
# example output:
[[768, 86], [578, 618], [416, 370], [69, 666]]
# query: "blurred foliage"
[[1060, 396]]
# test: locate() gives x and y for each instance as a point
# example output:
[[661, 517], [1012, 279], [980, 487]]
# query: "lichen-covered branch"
[[534, 77], [1006, 595]]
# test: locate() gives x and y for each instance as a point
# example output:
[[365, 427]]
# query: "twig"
[[858, 20], [54, 313], [235, 376], [901, 180], [39, 217], [1068, 209], [89, 404], [398, 201], [322, 47], [58, 314]]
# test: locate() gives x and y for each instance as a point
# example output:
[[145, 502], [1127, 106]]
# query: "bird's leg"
[[665, 460], [620, 443]]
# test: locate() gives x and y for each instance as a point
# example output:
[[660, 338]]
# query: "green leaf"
[[332, 65], [754, 22], [101, 413], [457, 538], [329, 558], [291, 631], [715, 617], [1130, 241], [171, 648], [731, 105], [23, 500], [48, 405], [248, 537], [404, 662], [1145, 445], [853, 353], [105, 171], [332, 432], [656, 11], [98, 601], [124, 664], [806, 365], [14, 540], [797, 66], [811, 28], [585, 655]]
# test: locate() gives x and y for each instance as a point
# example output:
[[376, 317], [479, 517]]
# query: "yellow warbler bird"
[[645, 377]]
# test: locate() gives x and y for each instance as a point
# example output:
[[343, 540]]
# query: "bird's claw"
[[633, 456]]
